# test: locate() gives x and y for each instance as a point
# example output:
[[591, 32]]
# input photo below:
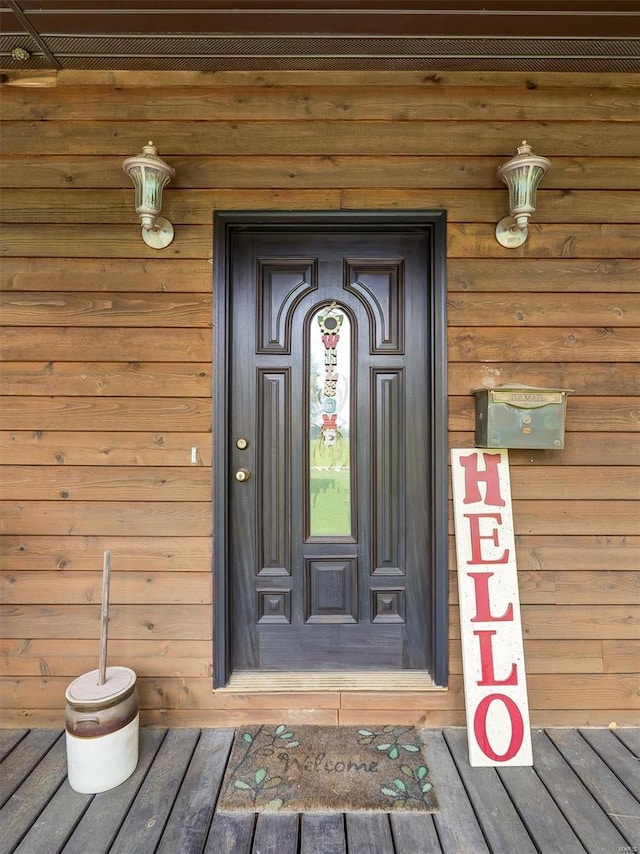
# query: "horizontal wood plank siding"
[[107, 377]]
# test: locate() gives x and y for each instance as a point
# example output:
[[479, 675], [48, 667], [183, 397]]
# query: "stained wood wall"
[[107, 372]]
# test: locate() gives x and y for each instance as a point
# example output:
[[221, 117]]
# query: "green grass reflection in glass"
[[330, 503]]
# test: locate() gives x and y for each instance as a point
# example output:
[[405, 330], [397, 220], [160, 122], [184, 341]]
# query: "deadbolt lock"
[[242, 475], [242, 444]]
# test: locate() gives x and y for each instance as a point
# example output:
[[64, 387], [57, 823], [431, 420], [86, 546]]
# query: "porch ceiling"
[[215, 35]]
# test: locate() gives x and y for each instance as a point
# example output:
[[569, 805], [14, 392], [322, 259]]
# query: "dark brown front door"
[[330, 360]]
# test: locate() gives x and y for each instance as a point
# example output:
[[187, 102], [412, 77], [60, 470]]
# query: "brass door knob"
[[242, 475]]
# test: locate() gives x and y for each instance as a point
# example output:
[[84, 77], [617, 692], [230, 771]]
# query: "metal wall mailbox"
[[520, 416]]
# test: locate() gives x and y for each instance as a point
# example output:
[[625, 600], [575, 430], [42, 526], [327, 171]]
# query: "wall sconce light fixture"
[[521, 174], [150, 175]]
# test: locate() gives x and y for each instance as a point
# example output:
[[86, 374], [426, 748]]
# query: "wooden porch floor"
[[583, 794]]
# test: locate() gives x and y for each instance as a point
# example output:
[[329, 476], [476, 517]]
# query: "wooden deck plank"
[[188, 825], [612, 796], [276, 832], [456, 823], [23, 759], [618, 755], [501, 824], [414, 832], [101, 822], [624, 762], [591, 825], [230, 833], [368, 833], [323, 833], [630, 738], [543, 819], [50, 831], [9, 739], [145, 821], [27, 802]]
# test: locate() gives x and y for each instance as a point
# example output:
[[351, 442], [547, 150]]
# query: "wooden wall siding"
[[106, 380]]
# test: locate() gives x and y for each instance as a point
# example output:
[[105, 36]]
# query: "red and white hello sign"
[[492, 651]]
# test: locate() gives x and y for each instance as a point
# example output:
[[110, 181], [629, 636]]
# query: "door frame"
[[433, 223]]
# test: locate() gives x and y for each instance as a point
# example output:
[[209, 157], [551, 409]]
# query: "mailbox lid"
[[524, 396]]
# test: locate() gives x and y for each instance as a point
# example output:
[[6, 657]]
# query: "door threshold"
[[376, 681]]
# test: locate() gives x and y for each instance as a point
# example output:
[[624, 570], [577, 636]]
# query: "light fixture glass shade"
[[522, 175], [150, 174]]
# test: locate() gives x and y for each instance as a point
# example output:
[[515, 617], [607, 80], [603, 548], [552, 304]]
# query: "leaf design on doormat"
[[416, 787], [393, 742], [396, 742], [259, 784], [263, 743]]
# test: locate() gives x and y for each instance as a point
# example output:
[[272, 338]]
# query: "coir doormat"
[[336, 769]]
